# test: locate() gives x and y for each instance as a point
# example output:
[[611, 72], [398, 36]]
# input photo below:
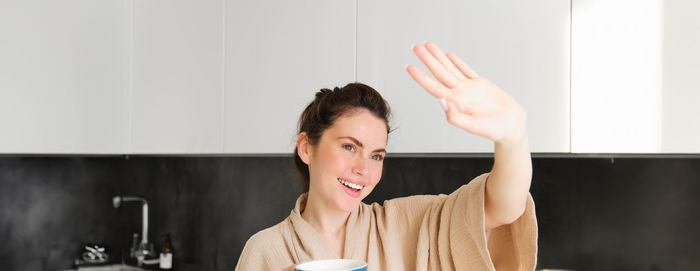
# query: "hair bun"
[[323, 93]]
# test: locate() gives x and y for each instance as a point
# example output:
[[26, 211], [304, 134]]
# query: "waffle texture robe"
[[426, 232]]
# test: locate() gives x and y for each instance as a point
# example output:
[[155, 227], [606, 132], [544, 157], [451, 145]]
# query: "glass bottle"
[[166, 254]]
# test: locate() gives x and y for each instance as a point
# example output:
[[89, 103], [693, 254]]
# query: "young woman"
[[486, 224]]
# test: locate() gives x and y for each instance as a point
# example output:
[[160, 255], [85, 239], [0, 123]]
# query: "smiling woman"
[[332, 106], [350, 155], [339, 153]]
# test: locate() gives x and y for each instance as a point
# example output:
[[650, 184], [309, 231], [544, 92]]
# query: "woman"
[[486, 224]]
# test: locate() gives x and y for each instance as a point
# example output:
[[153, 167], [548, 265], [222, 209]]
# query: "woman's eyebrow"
[[360, 143]]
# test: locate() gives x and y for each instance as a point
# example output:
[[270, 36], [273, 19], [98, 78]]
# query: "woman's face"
[[346, 164]]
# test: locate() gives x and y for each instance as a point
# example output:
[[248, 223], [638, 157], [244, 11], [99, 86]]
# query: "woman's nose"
[[360, 167]]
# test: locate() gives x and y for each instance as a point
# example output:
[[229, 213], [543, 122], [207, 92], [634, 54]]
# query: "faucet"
[[144, 248]]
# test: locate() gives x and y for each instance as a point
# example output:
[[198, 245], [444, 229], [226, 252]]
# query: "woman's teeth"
[[351, 185]]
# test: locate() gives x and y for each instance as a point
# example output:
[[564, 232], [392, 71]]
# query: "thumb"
[[456, 117]]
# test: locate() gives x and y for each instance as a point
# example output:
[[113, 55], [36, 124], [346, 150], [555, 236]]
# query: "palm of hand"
[[471, 102]]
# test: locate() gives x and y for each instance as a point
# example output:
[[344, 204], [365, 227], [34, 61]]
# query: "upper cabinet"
[[278, 54], [64, 76], [522, 47], [634, 76], [225, 76], [176, 100]]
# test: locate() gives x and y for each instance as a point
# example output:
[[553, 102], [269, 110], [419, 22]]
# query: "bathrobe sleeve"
[[267, 250], [449, 231]]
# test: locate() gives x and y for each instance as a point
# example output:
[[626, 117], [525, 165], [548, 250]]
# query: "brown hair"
[[326, 107]]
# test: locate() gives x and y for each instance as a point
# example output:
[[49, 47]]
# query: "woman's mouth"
[[352, 189]]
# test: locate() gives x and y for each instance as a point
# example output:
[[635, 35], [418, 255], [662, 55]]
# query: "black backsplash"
[[593, 213]]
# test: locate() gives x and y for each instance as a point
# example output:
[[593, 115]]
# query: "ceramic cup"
[[332, 265]]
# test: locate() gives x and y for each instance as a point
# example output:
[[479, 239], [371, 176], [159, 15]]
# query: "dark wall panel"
[[50, 206], [593, 213], [621, 214]]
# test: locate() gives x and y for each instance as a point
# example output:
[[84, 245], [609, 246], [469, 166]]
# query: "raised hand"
[[471, 102]]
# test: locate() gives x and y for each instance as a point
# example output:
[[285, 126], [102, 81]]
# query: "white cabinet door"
[[521, 46], [278, 54], [64, 76], [634, 76], [680, 121], [177, 68]]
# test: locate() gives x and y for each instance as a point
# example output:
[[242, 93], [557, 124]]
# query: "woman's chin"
[[350, 204]]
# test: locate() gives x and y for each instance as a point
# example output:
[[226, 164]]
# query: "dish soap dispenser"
[[166, 254]]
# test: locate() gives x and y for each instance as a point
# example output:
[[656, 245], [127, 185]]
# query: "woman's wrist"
[[517, 137], [512, 143]]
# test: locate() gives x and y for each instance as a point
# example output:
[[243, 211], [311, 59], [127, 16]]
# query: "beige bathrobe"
[[443, 232]]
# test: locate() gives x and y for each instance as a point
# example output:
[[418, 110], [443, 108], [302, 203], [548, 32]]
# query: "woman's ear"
[[304, 148]]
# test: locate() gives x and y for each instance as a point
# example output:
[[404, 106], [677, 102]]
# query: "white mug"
[[332, 265]]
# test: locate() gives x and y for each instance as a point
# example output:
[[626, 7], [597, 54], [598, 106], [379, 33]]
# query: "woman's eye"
[[378, 157], [349, 147]]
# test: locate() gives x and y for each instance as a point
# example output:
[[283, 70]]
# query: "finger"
[[462, 120], [438, 70], [440, 56], [460, 105], [453, 113], [463, 67], [434, 88]]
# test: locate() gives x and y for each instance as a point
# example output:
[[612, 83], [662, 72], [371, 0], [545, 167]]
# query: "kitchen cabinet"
[[278, 54], [232, 77], [64, 76], [176, 101], [520, 46], [634, 70]]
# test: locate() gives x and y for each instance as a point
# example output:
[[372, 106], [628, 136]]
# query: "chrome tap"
[[144, 248]]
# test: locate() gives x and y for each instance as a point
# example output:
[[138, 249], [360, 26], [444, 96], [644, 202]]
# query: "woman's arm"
[[476, 105], [508, 184]]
